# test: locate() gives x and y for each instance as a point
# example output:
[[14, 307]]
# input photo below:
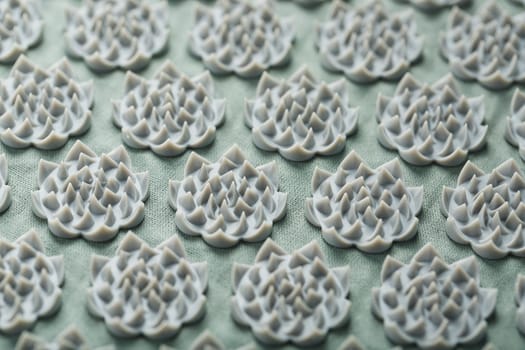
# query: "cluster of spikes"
[[368, 44], [364, 207], [207, 341], [90, 196], [147, 291], [300, 117], [29, 283], [241, 37], [227, 201], [430, 5], [487, 210], [515, 128], [487, 47], [110, 34], [168, 113], [431, 123], [293, 298], [432, 304], [69, 339], [43, 108], [21, 28]]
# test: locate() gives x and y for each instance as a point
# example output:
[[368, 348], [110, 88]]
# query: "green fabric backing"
[[291, 233]]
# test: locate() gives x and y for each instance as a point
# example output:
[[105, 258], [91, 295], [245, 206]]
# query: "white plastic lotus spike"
[[147, 291], [432, 304], [515, 130], [241, 36], [21, 28], [43, 108], [487, 210], [488, 47], [169, 113], [227, 201], [519, 296], [207, 341], [300, 117], [293, 297], [69, 339], [431, 123], [309, 3], [90, 196], [364, 207], [430, 5], [110, 34], [5, 189], [30, 283], [368, 43]]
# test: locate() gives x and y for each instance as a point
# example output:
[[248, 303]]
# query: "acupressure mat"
[[293, 231]]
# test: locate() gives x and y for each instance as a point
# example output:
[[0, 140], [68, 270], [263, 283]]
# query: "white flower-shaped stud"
[[432, 304], [90, 196], [364, 207], [242, 37], [69, 339], [368, 43], [147, 291], [488, 47], [21, 28], [293, 297], [515, 130], [110, 34], [5, 189], [207, 341], [43, 108], [227, 201], [169, 113], [30, 283], [300, 117], [431, 5], [431, 123], [487, 210]]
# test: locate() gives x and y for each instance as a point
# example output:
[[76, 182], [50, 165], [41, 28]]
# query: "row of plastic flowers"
[[299, 117], [237, 36], [283, 297]]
